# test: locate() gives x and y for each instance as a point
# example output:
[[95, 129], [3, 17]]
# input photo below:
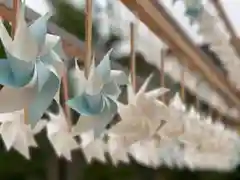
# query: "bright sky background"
[[232, 7]]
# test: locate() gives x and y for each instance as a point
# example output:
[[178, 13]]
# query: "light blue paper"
[[88, 105], [17, 73], [104, 68], [39, 29], [14, 72], [112, 90], [105, 118], [101, 106], [48, 86]]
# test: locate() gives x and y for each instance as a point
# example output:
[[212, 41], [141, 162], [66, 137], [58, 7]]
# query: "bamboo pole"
[[65, 98], [88, 35], [132, 55], [162, 77], [182, 84], [16, 4]]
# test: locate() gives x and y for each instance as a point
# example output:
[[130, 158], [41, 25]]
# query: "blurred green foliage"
[[71, 19]]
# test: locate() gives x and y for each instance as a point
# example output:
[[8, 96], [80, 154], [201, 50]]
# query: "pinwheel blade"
[[104, 68], [87, 104], [47, 88], [38, 29]]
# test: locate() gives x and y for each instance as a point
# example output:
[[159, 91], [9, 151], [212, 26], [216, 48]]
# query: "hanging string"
[[162, 77], [88, 35], [132, 56], [197, 101], [182, 84]]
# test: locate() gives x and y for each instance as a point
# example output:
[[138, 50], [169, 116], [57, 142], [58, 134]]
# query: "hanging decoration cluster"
[[149, 130]]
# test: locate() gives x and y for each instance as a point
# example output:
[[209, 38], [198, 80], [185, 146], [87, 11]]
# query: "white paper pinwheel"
[[204, 139], [117, 150], [97, 96], [30, 72], [93, 148], [16, 134], [192, 8], [193, 134], [146, 152], [175, 124], [60, 135], [143, 116], [219, 41]]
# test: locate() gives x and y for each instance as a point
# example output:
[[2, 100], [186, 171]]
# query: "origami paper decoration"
[[219, 41], [175, 123], [97, 95], [143, 116], [93, 149], [193, 8], [117, 150], [193, 129], [212, 161], [32, 69], [16, 134], [146, 152], [60, 135], [203, 138]]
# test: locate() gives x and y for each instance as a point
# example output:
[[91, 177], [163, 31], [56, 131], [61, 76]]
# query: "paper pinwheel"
[[193, 133], [16, 134], [143, 116], [193, 8], [97, 95], [93, 149], [60, 135], [212, 161], [117, 151], [175, 123], [146, 152], [204, 139], [30, 73]]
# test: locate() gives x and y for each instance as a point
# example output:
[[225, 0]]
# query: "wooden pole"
[[16, 5], [88, 35], [132, 55], [182, 84], [162, 77], [65, 98]]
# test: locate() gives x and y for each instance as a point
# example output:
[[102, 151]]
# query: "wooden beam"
[[70, 48], [6, 13], [165, 27]]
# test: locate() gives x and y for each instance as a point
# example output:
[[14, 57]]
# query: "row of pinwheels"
[[31, 75], [150, 131], [212, 31]]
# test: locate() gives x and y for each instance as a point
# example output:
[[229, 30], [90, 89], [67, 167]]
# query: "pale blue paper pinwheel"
[[97, 95], [32, 69], [193, 8]]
